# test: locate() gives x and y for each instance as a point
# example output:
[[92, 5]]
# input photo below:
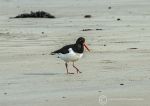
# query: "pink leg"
[[67, 68], [76, 68]]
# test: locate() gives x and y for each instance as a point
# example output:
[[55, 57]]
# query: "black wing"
[[63, 50]]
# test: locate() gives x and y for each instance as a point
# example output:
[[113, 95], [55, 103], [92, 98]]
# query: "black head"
[[80, 40], [80, 44]]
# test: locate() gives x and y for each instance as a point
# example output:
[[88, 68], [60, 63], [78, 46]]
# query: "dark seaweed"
[[37, 14]]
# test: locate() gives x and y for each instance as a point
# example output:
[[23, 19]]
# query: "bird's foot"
[[79, 72]]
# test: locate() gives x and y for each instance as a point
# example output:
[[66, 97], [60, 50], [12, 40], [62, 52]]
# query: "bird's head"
[[81, 41]]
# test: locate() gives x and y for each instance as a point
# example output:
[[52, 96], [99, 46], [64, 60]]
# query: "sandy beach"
[[115, 73]]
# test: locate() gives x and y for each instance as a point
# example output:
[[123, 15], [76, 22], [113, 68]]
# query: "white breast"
[[71, 56]]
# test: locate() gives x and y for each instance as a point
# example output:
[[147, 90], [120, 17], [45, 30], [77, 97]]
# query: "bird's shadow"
[[43, 74]]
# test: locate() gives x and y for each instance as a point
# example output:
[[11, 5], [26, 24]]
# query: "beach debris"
[[87, 16], [5, 93], [86, 29], [63, 97], [121, 84], [109, 7], [133, 48], [42, 32], [118, 19], [37, 14], [104, 45], [99, 29], [43, 54], [99, 91]]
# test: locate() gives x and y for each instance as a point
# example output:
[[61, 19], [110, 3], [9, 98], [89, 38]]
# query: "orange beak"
[[86, 47]]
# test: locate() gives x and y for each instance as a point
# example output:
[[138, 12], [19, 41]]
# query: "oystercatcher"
[[72, 53]]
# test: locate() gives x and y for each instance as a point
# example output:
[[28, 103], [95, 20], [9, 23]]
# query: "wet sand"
[[116, 71]]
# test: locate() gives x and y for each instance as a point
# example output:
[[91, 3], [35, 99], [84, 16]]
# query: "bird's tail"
[[52, 53]]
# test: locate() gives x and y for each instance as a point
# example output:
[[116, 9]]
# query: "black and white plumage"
[[72, 52]]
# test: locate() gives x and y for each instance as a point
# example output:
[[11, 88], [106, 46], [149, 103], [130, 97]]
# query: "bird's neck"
[[78, 48]]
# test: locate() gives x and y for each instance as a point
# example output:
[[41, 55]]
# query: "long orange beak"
[[86, 47]]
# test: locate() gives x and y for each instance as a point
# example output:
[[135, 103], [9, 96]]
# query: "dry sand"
[[120, 53]]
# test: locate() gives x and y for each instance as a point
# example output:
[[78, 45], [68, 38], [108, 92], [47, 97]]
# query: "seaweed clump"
[[37, 14], [87, 16]]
